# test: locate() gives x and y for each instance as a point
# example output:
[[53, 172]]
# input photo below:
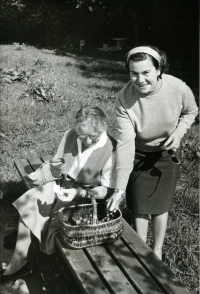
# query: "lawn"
[[40, 92]]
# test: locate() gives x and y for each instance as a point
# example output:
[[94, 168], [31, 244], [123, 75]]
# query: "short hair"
[[92, 116], [163, 66]]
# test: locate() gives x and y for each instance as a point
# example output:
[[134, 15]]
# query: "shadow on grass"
[[115, 55], [100, 65], [50, 274], [110, 65], [11, 191]]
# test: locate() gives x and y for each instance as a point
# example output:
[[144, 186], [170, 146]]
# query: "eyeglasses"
[[92, 137], [175, 159]]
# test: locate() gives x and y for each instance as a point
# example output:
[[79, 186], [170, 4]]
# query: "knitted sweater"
[[146, 121]]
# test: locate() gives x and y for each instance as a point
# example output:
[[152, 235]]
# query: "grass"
[[182, 236], [41, 91]]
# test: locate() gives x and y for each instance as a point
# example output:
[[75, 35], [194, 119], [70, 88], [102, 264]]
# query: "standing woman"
[[154, 111]]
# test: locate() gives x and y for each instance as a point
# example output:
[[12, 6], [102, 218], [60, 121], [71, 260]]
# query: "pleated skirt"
[[152, 183]]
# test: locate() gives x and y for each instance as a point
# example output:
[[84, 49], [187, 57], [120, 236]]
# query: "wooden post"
[[118, 45], [105, 46], [82, 43]]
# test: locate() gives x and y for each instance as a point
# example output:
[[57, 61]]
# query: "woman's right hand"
[[57, 162]]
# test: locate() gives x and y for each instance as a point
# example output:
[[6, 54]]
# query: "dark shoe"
[[22, 272]]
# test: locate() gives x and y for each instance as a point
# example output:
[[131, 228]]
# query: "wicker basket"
[[78, 236]]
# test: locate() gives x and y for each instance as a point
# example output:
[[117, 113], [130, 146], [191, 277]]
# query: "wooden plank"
[[97, 275], [132, 268], [107, 269], [84, 273], [35, 162], [86, 276], [155, 267], [46, 157], [23, 167]]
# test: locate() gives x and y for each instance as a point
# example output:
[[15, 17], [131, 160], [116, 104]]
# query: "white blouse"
[[108, 175]]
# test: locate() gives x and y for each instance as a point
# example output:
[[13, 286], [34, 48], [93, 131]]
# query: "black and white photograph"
[[99, 136]]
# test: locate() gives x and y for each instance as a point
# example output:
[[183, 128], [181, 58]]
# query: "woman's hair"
[[163, 65], [91, 116]]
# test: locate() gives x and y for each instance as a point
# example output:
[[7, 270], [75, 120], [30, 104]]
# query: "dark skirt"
[[152, 183]]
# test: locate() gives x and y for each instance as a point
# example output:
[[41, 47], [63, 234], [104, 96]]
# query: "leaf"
[[6, 80], [2, 135], [43, 92], [24, 95], [179, 188], [39, 123], [15, 78]]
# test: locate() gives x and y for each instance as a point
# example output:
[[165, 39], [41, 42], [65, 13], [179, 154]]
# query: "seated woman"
[[84, 162]]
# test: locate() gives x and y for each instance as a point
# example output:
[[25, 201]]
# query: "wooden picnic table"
[[119, 40], [126, 266]]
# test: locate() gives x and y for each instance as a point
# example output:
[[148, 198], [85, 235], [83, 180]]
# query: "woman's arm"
[[125, 151], [55, 163], [100, 192], [188, 113], [125, 154], [103, 191], [108, 179]]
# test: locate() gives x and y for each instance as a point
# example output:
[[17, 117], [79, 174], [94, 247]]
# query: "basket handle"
[[94, 206]]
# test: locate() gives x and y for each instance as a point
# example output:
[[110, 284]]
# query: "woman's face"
[[144, 75], [88, 136]]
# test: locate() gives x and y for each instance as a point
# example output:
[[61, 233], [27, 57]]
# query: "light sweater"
[[146, 121]]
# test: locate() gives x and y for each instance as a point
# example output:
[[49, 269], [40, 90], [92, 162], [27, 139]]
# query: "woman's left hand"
[[173, 142], [69, 195], [114, 201]]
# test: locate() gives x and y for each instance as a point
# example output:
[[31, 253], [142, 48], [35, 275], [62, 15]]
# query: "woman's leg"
[[26, 249], [159, 222], [141, 225]]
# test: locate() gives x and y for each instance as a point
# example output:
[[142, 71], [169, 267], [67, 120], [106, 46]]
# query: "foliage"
[[40, 91], [15, 75], [40, 62], [182, 235], [21, 21], [9, 6], [62, 24], [52, 22], [18, 46]]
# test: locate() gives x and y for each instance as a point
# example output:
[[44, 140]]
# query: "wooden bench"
[[127, 266]]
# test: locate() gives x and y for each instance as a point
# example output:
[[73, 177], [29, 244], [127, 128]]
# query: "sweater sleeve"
[[188, 113], [125, 151], [108, 176], [56, 172]]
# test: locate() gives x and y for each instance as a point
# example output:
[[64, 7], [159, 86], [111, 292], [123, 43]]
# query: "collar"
[[102, 141]]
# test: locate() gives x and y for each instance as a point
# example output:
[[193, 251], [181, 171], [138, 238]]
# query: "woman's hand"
[[57, 162], [114, 201], [173, 142], [68, 195]]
